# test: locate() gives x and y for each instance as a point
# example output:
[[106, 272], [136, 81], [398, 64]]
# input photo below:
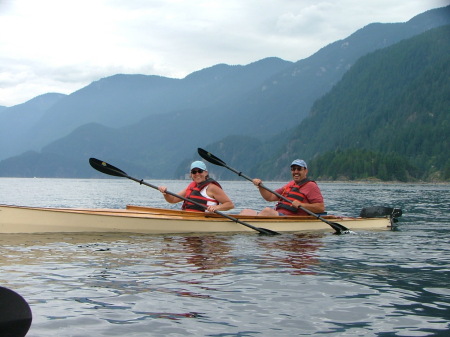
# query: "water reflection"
[[204, 253], [297, 252]]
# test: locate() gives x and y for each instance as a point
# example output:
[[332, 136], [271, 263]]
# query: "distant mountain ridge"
[[154, 124], [122, 100]]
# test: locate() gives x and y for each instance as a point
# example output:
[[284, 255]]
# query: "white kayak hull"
[[136, 219]]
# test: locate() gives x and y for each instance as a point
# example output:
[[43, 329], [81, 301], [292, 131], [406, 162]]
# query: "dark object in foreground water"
[[15, 314]]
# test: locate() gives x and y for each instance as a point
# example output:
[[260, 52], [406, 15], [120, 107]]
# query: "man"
[[301, 191]]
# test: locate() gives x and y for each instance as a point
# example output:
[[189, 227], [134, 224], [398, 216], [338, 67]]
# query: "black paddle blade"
[[210, 157], [265, 231], [106, 168], [114, 171], [15, 314], [339, 229]]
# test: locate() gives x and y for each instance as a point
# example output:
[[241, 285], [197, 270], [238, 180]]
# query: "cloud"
[[61, 46]]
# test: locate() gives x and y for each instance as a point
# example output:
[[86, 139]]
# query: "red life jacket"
[[193, 193], [292, 191]]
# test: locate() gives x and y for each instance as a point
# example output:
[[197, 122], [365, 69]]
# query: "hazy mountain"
[[122, 100], [18, 122]]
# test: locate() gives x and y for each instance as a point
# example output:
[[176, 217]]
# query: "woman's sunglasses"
[[197, 171]]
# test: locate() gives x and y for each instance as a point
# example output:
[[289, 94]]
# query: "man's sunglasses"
[[197, 171], [296, 168]]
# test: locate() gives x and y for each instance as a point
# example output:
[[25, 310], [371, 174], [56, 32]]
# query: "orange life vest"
[[193, 193], [292, 191]]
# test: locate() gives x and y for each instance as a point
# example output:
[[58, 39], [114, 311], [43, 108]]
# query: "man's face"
[[298, 173]]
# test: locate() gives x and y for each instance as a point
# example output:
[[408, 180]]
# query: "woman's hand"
[[212, 208]]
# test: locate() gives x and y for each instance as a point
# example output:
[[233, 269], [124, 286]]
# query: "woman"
[[203, 190]]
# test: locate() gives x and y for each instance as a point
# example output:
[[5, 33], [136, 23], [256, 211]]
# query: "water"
[[391, 283]]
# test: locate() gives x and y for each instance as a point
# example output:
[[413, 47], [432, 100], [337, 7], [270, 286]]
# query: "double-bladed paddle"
[[15, 314], [339, 229], [114, 171]]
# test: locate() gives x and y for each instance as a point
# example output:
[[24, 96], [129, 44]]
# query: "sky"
[[64, 45]]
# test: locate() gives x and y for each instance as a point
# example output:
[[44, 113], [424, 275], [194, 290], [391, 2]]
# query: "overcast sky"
[[63, 45]]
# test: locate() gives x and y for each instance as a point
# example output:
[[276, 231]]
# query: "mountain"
[[387, 118], [123, 100], [17, 122], [287, 97], [155, 124], [397, 103]]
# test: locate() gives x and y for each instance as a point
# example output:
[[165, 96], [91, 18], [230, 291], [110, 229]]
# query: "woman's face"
[[198, 175]]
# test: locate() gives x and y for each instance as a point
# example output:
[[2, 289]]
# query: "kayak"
[[149, 220]]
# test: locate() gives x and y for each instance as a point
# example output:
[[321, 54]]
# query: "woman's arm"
[[219, 194], [170, 198]]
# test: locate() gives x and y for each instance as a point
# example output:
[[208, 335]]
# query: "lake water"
[[390, 283]]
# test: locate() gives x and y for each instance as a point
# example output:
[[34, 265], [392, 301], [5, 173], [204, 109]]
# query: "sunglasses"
[[197, 171], [296, 168]]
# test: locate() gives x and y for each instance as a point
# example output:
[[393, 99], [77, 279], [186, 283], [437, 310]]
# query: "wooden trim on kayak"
[[153, 210]]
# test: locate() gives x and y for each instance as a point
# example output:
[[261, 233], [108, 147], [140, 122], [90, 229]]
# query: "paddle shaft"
[[340, 229], [111, 170], [261, 230], [278, 195], [337, 227]]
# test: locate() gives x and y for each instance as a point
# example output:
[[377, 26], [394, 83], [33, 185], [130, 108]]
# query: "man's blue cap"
[[198, 164], [299, 162]]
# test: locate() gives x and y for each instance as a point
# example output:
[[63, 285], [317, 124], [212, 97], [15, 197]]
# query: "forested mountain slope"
[[394, 102], [388, 118]]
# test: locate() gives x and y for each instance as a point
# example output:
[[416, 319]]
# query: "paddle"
[[339, 229], [114, 171], [15, 314]]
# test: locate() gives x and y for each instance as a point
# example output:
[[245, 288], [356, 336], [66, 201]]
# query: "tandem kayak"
[[139, 219]]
